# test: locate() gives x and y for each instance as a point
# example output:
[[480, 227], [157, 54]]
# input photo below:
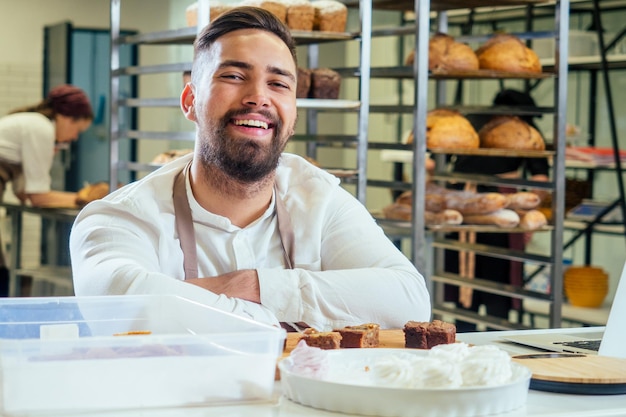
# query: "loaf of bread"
[[446, 54], [276, 7], [468, 203], [169, 156], [398, 211], [448, 129], [300, 14], [505, 52], [445, 217], [522, 200], [504, 218], [215, 9], [303, 86], [533, 220], [325, 83], [510, 132], [91, 192], [330, 16]]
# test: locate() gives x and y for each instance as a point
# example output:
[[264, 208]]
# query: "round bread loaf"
[[449, 129], [510, 132], [446, 54], [504, 52], [91, 192]]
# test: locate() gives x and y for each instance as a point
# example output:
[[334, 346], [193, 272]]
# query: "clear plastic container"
[[115, 352]]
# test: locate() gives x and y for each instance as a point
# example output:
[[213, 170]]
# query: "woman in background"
[[29, 138]]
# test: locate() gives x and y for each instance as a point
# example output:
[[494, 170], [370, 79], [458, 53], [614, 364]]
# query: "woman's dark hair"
[[66, 100], [244, 17]]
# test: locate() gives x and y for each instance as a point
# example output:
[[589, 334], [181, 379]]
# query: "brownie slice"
[[322, 340], [416, 334], [441, 333], [361, 336], [425, 335]]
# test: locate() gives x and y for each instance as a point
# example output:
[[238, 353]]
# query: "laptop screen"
[[614, 340]]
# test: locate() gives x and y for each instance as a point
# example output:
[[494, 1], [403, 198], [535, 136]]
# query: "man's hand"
[[242, 284]]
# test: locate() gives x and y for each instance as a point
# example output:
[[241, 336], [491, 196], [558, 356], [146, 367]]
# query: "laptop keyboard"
[[583, 344]]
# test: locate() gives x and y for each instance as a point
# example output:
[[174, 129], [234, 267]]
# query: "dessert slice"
[[361, 336]]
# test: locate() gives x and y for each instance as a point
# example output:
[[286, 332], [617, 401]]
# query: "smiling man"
[[239, 224]]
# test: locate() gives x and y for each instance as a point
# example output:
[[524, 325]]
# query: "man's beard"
[[244, 160]]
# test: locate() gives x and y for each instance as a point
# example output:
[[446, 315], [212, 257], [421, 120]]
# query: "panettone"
[[504, 52], [449, 129], [215, 9], [510, 132], [446, 54], [325, 83], [276, 7], [330, 16], [300, 14], [303, 85]]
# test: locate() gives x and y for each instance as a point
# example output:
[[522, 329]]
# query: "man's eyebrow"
[[282, 72], [270, 68]]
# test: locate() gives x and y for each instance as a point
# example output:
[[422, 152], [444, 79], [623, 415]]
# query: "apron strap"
[[187, 237], [184, 224]]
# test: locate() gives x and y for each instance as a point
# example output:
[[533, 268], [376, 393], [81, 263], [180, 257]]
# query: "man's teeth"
[[253, 123]]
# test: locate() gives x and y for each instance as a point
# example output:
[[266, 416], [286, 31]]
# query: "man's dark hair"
[[244, 17]]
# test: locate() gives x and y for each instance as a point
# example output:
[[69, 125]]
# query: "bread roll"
[[504, 218], [504, 52], [510, 132], [446, 54], [533, 220], [91, 192], [448, 129]]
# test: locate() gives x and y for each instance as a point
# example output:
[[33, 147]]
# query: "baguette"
[[445, 217], [398, 211], [504, 218], [522, 200], [475, 203]]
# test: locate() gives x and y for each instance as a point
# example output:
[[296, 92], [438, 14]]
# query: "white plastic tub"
[[64, 353]]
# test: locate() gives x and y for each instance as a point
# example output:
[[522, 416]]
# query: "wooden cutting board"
[[575, 374], [387, 339], [573, 368]]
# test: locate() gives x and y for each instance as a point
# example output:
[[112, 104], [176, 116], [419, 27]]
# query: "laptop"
[[609, 342]]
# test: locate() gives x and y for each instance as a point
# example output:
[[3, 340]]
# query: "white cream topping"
[[309, 361], [252, 123], [453, 365]]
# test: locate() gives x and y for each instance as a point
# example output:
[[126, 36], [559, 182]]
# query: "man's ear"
[[187, 103]]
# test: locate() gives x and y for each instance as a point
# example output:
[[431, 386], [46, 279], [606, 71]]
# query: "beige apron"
[[9, 171], [186, 234]]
